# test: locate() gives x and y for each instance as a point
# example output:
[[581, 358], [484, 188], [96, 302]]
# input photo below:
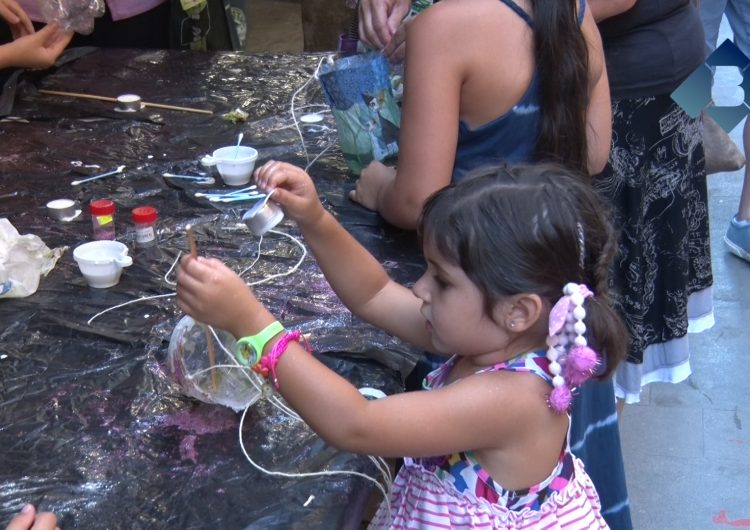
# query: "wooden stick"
[[114, 100], [209, 342]]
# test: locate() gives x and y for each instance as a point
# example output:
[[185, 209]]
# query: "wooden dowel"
[[76, 95], [209, 342], [114, 100]]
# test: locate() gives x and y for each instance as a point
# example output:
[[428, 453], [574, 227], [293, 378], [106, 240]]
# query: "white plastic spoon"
[[81, 181], [239, 141]]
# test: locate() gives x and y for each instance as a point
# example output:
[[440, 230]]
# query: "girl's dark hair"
[[519, 230], [562, 62]]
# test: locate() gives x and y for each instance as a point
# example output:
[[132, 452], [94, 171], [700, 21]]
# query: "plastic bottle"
[[103, 218], [144, 218]]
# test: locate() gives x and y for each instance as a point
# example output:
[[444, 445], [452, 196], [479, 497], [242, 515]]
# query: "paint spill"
[[722, 518]]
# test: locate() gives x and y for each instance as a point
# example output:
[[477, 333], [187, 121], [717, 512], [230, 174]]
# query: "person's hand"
[[396, 48], [212, 293], [293, 190], [380, 19], [28, 519], [40, 49], [17, 19], [372, 181]]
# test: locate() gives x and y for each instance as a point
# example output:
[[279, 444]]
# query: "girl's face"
[[453, 307]]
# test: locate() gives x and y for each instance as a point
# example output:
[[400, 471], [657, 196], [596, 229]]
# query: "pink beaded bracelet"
[[267, 364]]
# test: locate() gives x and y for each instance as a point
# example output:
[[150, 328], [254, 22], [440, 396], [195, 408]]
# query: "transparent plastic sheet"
[[74, 15], [92, 426]]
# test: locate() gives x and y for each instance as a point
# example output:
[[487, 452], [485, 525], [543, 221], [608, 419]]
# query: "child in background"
[[29, 48], [516, 281]]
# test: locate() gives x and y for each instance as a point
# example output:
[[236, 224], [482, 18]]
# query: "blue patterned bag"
[[358, 89]]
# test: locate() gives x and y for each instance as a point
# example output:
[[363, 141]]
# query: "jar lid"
[[102, 207], [144, 214]]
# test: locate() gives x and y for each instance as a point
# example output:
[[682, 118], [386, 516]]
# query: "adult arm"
[[433, 77], [599, 109], [602, 9]]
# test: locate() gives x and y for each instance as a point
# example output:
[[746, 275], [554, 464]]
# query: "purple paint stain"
[[203, 420], [187, 448], [206, 420]]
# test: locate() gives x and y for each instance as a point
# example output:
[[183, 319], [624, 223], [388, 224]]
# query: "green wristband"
[[250, 349]]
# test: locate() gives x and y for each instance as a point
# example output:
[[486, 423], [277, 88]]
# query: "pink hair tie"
[[571, 361], [267, 364]]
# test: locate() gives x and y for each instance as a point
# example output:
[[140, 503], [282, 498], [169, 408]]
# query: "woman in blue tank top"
[[489, 81]]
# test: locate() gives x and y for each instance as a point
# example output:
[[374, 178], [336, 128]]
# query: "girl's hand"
[[29, 519], [372, 181], [40, 49], [17, 19], [293, 189], [212, 293]]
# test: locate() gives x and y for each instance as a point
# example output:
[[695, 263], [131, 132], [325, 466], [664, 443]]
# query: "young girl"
[[516, 282]]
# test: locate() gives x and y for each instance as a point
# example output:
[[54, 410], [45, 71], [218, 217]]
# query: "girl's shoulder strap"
[[581, 10], [520, 12], [535, 362]]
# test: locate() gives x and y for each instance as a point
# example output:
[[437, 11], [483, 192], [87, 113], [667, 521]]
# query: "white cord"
[[265, 471], [294, 117]]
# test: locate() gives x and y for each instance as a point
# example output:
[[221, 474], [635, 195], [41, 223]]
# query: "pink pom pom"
[[580, 364], [560, 398]]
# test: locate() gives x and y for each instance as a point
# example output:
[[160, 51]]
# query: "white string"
[[118, 306], [265, 471], [319, 155], [258, 282], [294, 117], [379, 463], [290, 271], [174, 264]]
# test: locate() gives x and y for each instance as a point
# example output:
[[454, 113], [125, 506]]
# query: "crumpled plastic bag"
[[24, 259], [72, 15]]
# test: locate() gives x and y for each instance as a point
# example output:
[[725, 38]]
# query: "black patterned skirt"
[[656, 180]]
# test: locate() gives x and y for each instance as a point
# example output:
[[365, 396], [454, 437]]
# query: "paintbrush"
[[209, 342]]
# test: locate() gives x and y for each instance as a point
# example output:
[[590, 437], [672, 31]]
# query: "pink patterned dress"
[[456, 492]]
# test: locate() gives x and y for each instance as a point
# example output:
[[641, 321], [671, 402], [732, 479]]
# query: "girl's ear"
[[519, 312]]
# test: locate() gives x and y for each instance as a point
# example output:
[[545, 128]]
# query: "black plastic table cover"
[[91, 425]]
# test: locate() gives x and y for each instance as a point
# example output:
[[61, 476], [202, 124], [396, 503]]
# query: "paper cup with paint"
[[62, 209], [263, 216], [129, 103], [234, 163], [101, 262]]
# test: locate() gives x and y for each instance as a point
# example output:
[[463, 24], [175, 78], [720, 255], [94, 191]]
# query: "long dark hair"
[[562, 63], [530, 229]]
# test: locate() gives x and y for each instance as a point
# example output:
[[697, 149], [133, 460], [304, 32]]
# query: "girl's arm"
[[354, 274], [458, 417], [37, 50], [429, 126], [599, 110], [479, 412]]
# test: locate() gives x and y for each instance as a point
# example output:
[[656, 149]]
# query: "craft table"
[[91, 425]]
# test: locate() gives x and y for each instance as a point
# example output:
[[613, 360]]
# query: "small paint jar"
[[144, 219], [103, 218]]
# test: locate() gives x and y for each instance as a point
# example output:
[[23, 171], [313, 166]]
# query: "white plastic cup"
[[234, 164], [101, 262]]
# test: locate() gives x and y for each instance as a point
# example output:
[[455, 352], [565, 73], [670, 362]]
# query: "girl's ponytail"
[[561, 56]]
